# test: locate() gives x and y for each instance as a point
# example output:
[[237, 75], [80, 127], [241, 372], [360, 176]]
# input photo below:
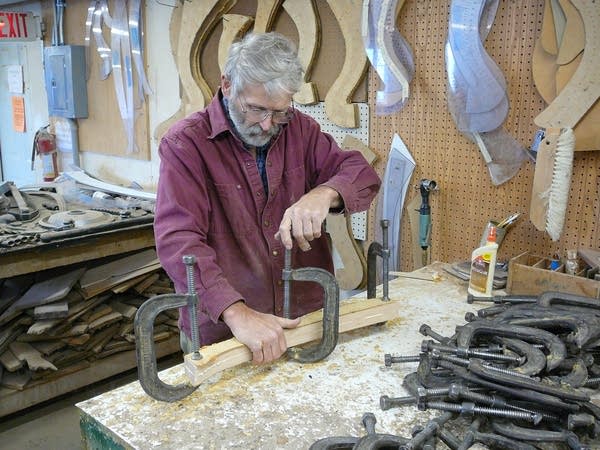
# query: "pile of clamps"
[[518, 375]]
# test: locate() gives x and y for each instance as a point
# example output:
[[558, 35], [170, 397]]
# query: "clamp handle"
[[376, 249]]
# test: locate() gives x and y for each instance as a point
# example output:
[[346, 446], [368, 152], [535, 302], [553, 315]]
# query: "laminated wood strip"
[[354, 314]]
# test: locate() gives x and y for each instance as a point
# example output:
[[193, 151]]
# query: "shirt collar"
[[219, 117]]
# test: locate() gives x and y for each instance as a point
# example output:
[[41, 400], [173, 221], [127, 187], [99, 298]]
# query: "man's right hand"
[[261, 333]]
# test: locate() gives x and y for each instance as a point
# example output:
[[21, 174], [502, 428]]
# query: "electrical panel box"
[[65, 70]]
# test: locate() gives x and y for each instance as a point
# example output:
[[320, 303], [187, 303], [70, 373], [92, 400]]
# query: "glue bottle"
[[483, 264]]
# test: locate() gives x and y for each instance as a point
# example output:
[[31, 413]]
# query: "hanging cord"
[[57, 30]]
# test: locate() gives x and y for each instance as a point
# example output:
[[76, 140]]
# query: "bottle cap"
[[491, 234]]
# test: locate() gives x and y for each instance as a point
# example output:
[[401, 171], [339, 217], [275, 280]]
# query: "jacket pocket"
[[231, 213]]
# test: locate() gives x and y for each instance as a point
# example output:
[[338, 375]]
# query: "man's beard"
[[252, 135]]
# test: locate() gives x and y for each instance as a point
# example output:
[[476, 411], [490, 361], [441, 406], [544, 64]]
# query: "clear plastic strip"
[[136, 48]]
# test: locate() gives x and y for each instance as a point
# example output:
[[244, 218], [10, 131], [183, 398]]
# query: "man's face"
[[252, 113]]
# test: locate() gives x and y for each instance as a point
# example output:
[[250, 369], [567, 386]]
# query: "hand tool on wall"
[[143, 326], [331, 308], [425, 187]]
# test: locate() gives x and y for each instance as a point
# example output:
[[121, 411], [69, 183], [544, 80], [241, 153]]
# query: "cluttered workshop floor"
[[55, 424]]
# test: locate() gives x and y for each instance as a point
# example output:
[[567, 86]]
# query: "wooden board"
[[69, 380], [357, 313], [265, 15], [338, 101], [234, 27], [197, 22], [305, 17], [583, 89]]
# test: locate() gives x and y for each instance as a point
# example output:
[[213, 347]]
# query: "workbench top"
[[288, 405]]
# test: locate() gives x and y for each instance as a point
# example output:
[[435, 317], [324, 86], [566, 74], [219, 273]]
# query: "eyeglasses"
[[258, 114]]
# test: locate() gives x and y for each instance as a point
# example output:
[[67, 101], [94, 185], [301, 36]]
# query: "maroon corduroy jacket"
[[211, 204]]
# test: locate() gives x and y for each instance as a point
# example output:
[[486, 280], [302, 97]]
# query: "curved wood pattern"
[[548, 35], [587, 130], [353, 274], [338, 101], [234, 27], [304, 15], [573, 39], [266, 10], [198, 20], [354, 314], [583, 89], [543, 69]]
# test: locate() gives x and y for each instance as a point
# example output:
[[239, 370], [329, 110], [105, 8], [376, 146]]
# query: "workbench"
[[287, 405]]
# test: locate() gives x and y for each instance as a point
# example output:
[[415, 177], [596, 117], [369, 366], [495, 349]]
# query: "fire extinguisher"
[[44, 144]]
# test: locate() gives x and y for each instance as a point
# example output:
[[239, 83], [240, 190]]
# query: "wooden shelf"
[[12, 400], [83, 248], [43, 256]]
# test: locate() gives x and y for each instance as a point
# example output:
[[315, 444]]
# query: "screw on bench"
[[457, 392], [389, 359], [436, 355], [428, 345], [383, 250], [386, 402], [592, 382], [427, 433], [510, 372], [426, 330], [470, 409], [190, 262], [500, 299]]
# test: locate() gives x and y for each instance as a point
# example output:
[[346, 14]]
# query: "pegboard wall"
[[467, 199], [358, 220]]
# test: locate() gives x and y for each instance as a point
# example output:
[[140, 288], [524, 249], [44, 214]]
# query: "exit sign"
[[18, 26]]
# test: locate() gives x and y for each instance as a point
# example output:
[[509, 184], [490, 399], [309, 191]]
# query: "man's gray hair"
[[268, 59]]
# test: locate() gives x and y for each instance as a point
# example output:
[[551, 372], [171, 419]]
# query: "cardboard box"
[[531, 275]]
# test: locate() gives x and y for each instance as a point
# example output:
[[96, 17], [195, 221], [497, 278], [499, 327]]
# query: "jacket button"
[[275, 253]]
